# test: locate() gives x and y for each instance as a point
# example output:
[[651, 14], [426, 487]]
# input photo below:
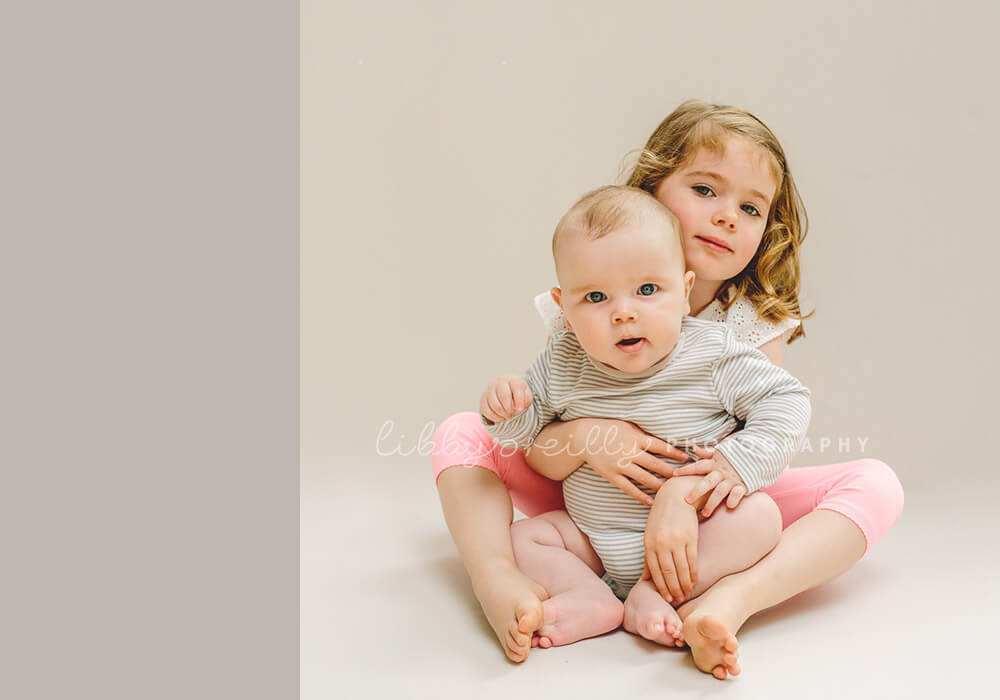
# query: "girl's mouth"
[[630, 345], [712, 245]]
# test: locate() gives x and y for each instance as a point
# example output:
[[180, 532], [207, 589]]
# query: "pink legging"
[[865, 491]]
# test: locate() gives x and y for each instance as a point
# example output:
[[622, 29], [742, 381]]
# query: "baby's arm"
[[513, 409], [774, 405]]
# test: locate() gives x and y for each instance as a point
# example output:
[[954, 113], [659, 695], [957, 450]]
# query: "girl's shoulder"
[[747, 325], [552, 316]]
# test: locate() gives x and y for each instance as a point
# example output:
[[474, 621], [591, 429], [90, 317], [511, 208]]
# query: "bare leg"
[[478, 511], [814, 549], [729, 541], [552, 550]]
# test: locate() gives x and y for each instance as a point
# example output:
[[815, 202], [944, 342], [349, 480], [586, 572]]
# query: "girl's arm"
[[615, 449], [557, 451]]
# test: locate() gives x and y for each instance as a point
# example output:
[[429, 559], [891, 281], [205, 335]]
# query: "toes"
[[515, 654], [529, 617], [544, 642], [729, 659], [516, 657], [652, 629], [516, 647], [731, 644], [719, 672]]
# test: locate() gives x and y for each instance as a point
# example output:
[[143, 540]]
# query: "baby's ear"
[[688, 282], [557, 298]]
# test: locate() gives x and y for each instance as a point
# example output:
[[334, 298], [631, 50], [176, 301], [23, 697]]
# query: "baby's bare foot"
[[648, 615], [578, 614], [713, 647], [513, 606]]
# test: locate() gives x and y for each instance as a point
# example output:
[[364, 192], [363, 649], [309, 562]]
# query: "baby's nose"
[[623, 316]]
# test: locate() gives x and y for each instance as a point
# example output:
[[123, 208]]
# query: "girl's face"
[[722, 202]]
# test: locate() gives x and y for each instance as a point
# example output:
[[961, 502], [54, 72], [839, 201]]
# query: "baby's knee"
[[761, 519], [537, 530]]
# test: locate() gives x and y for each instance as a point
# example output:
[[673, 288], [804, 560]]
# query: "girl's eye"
[[595, 297], [703, 190], [751, 210], [647, 289]]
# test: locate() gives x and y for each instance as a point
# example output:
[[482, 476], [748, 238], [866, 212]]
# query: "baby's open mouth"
[[631, 344]]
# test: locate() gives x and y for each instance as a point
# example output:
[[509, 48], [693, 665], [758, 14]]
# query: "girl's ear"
[[557, 298]]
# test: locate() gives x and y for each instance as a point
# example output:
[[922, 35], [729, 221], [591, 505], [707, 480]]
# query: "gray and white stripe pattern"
[[697, 395]]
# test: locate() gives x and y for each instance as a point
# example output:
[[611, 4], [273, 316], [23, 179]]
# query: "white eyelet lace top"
[[741, 317]]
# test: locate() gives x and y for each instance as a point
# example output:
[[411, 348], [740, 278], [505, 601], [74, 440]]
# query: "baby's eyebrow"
[[720, 178]]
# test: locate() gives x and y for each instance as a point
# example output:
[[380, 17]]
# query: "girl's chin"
[[710, 272]]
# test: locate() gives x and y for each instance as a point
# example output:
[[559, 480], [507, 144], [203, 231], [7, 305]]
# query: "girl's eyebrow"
[[708, 173]]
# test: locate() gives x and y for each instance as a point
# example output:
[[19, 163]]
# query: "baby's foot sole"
[[648, 615], [576, 615]]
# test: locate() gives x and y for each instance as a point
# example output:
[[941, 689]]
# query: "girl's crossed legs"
[[832, 515]]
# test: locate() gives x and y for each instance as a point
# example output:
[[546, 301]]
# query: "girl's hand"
[[671, 543], [626, 456], [504, 398], [720, 478]]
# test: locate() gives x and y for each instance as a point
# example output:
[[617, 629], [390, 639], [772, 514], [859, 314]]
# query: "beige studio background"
[[442, 141]]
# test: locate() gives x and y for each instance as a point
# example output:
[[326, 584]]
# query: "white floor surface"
[[387, 610]]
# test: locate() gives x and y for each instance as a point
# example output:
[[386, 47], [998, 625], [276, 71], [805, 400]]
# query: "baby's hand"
[[720, 478], [504, 398]]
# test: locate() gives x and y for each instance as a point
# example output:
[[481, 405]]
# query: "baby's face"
[[624, 295]]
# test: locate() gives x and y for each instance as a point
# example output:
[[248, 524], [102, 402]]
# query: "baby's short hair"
[[607, 209]]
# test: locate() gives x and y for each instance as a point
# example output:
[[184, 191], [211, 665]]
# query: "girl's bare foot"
[[513, 606], [648, 615], [712, 646], [579, 613], [709, 623]]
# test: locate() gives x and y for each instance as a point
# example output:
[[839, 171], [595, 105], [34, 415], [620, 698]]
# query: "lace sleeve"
[[748, 326], [552, 315]]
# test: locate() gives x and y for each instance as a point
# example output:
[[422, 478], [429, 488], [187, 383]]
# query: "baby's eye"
[[703, 190], [751, 210], [595, 297], [647, 289]]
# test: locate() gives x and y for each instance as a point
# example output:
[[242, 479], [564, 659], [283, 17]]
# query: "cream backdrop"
[[442, 141], [440, 145]]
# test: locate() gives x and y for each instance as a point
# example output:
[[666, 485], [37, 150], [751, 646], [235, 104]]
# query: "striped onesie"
[[708, 386]]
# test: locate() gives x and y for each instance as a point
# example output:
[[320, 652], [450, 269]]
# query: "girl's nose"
[[726, 216]]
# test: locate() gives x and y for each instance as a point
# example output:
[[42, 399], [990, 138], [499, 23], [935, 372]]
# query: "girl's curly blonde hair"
[[770, 281]]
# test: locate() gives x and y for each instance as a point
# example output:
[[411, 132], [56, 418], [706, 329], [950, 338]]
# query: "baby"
[[630, 352]]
